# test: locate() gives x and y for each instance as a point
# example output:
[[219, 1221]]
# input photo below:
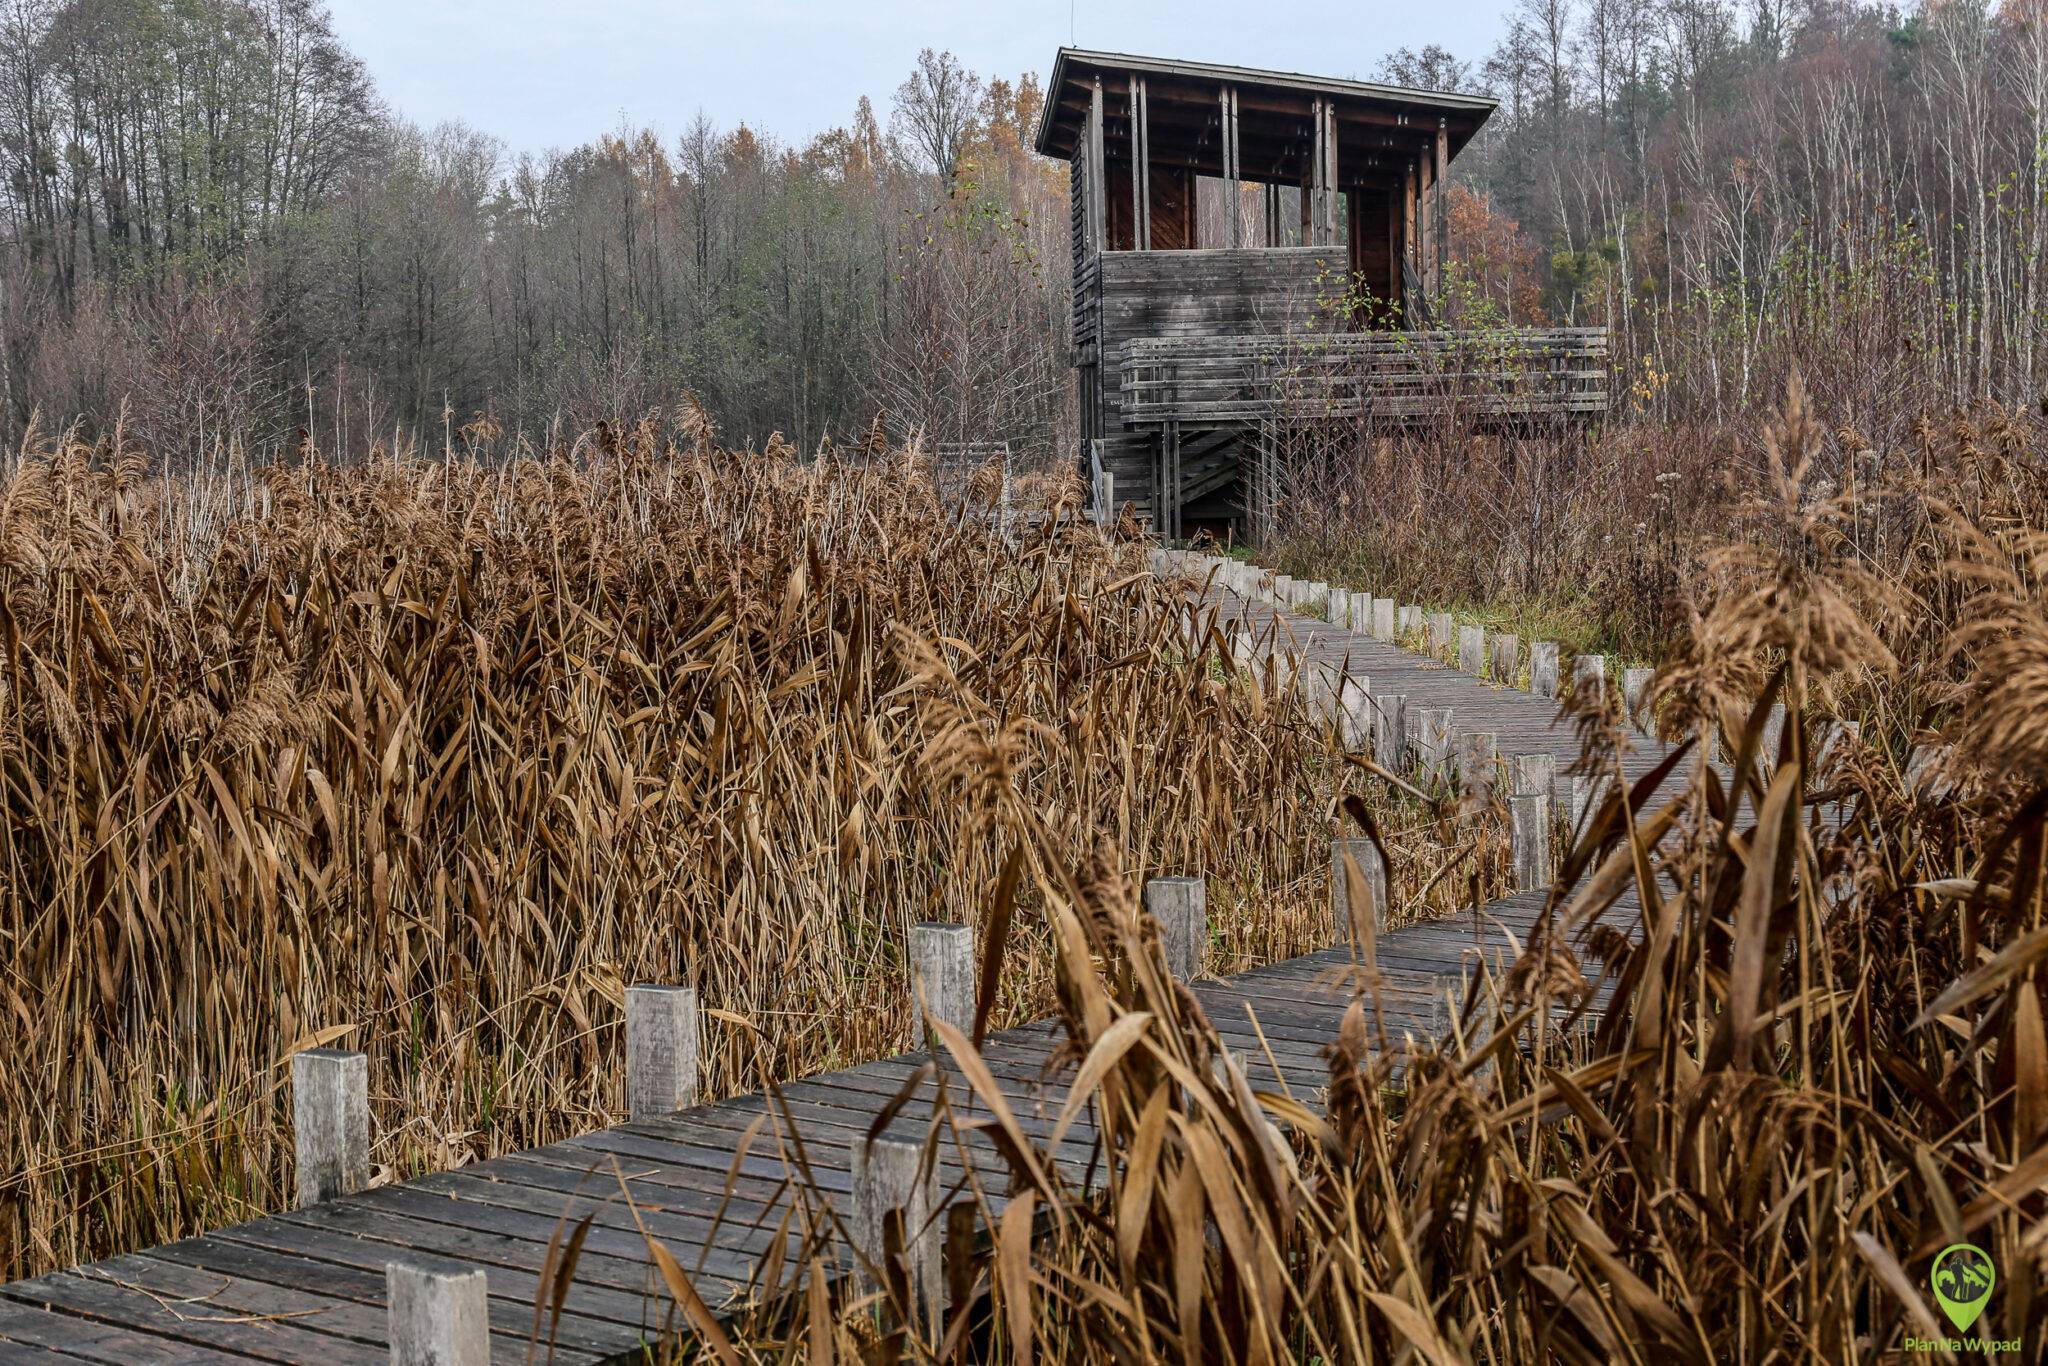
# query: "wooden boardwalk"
[[309, 1285], [1521, 722]]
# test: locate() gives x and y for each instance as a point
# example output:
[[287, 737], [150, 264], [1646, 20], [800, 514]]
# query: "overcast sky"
[[539, 74]]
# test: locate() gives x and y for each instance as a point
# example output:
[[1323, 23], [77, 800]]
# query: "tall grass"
[[1595, 537], [1823, 1060], [430, 757]]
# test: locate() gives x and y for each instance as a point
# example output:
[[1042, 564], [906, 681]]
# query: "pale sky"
[[540, 75]]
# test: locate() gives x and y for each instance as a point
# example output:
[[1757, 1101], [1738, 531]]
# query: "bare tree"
[[935, 109]]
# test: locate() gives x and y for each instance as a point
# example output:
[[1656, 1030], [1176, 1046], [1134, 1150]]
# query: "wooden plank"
[[31, 1334], [595, 1315], [511, 1317], [103, 1297]]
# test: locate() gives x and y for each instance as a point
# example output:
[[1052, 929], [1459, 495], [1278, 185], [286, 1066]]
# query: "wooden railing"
[[1101, 488], [1243, 380]]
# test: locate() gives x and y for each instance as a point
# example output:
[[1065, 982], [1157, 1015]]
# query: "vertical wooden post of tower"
[[1143, 170], [1098, 180], [1133, 104], [1311, 183], [1170, 494], [1439, 213], [1410, 247], [1331, 236], [1232, 172]]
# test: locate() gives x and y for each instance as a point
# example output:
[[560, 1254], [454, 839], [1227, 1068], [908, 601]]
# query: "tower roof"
[[1275, 109]]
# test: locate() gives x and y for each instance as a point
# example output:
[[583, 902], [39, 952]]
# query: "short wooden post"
[[1410, 621], [1432, 741], [330, 1123], [1390, 730], [1472, 650], [1354, 711], [1360, 620], [1507, 657], [1337, 607], [436, 1318], [1535, 773], [1927, 773], [1589, 791], [1529, 813], [1635, 695], [1589, 674], [1772, 739], [893, 1183], [1543, 668], [1283, 590], [942, 979], [1383, 619], [661, 1051], [1373, 868], [1477, 753], [1181, 906], [1439, 631]]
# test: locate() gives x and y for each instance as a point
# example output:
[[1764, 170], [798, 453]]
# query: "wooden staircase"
[[1210, 462]]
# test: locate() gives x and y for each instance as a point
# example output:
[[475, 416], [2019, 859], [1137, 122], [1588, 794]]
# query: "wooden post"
[[1927, 776], [1390, 730], [661, 1051], [1478, 750], [1383, 619], [1337, 607], [1432, 741], [1472, 650], [1098, 179], [1635, 696], [893, 1184], [1772, 739], [1354, 711], [1440, 218], [1410, 622], [942, 979], [1589, 673], [1837, 738], [330, 1123], [1507, 657], [436, 1318], [1232, 170], [1543, 668], [1313, 192], [1360, 620], [1373, 868], [1439, 632], [1170, 494], [1529, 813], [1535, 773], [1283, 590], [1181, 906], [1588, 792]]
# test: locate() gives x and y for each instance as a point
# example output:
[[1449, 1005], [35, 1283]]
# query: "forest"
[[213, 230]]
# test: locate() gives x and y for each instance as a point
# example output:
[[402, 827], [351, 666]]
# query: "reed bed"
[[431, 757], [1824, 1059]]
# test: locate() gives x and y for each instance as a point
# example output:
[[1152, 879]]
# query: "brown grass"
[[432, 757], [1825, 1058]]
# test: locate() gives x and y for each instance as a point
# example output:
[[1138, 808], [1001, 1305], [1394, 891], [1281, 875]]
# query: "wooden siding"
[[1197, 380], [1169, 294]]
